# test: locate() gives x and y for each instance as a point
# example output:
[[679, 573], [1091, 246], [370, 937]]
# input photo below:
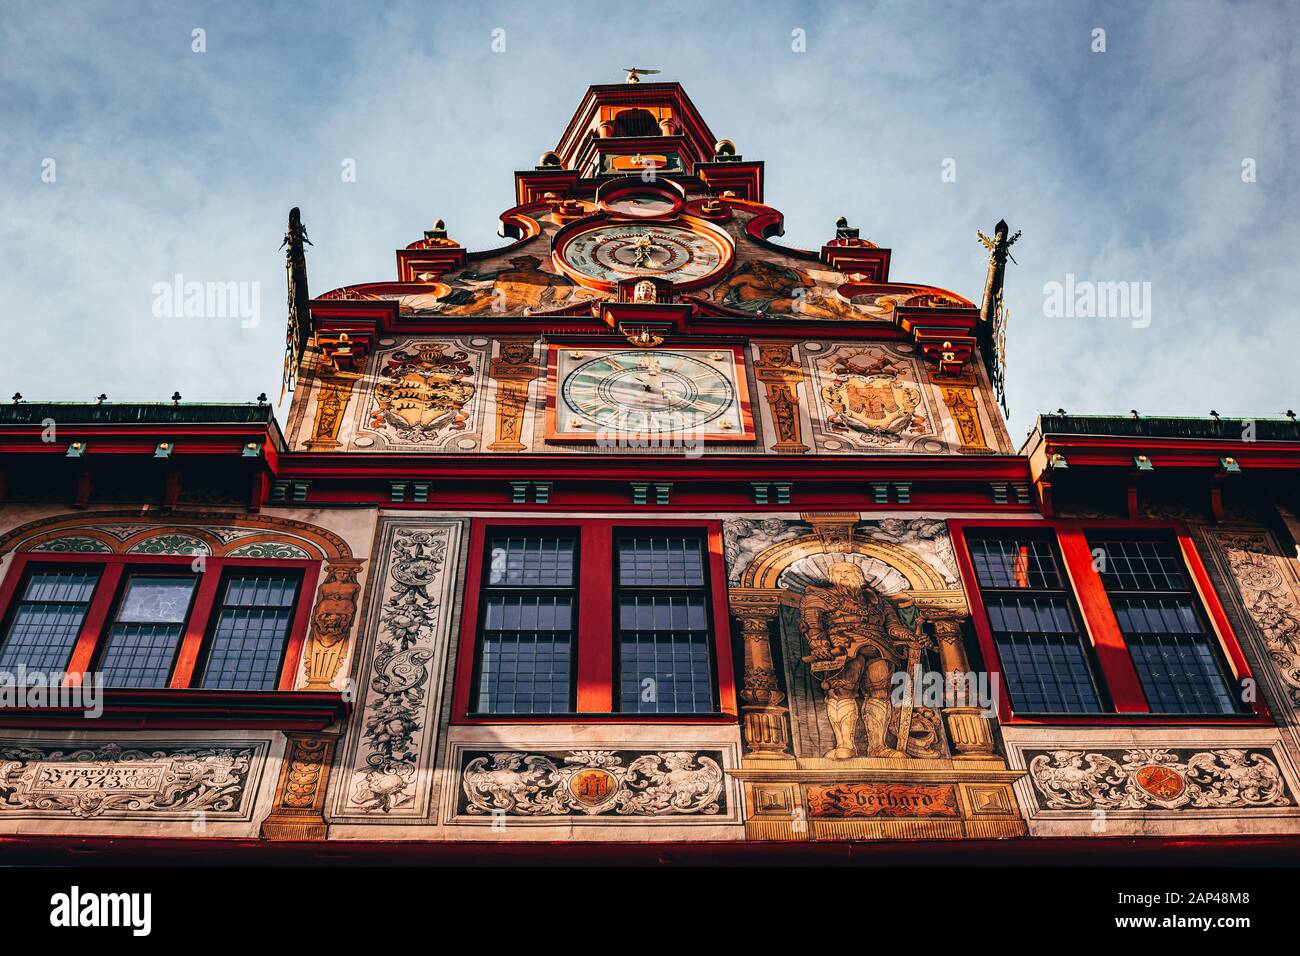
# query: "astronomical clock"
[[642, 233], [697, 393]]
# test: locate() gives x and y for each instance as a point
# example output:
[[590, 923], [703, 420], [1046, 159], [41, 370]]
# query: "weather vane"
[[634, 73], [992, 244]]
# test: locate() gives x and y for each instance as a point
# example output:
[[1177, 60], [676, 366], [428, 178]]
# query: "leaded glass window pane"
[[1176, 655], [1045, 658], [252, 628], [665, 659], [146, 631], [47, 621], [526, 658]]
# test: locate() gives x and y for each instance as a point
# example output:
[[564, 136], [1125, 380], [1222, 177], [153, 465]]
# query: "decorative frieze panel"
[[456, 394], [190, 533], [592, 783], [155, 780], [1271, 597], [1156, 779], [387, 759]]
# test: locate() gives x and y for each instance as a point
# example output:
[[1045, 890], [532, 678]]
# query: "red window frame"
[[596, 666], [113, 570], [1115, 671]]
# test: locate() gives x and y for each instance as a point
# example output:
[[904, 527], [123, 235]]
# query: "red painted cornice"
[[190, 708]]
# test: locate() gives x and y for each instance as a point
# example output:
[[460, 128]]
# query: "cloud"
[[1123, 165]]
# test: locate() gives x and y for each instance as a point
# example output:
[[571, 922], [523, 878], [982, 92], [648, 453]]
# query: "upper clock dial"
[[616, 251]]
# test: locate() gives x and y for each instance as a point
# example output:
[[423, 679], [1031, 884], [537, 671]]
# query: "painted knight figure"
[[858, 645]]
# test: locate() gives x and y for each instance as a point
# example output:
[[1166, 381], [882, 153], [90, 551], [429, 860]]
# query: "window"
[[251, 632], [1175, 654], [526, 665], [663, 626], [610, 620], [149, 623], [141, 645], [1101, 621], [46, 620], [1033, 620]]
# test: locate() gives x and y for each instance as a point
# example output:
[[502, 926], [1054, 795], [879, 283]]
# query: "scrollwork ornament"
[[592, 783], [1158, 779], [401, 673]]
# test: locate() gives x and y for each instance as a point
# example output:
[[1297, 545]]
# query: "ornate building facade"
[[644, 529]]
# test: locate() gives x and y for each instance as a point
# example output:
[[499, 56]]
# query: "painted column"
[[969, 730], [762, 711]]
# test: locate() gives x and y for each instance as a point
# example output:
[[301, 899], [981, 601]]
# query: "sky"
[[1160, 151]]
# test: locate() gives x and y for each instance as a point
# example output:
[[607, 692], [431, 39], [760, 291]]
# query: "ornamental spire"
[[993, 315]]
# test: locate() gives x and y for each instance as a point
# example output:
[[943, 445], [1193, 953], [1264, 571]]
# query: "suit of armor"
[[850, 621]]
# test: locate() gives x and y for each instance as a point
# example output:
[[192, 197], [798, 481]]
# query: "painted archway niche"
[[778, 576], [226, 536]]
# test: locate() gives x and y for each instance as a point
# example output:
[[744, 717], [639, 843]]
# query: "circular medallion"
[[687, 254], [1163, 783], [592, 786]]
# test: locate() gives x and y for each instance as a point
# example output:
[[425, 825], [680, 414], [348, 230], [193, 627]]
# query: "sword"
[[913, 681]]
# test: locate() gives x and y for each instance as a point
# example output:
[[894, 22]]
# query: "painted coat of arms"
[[869, 399], [422, 392]]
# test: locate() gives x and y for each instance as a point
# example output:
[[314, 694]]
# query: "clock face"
[[650, 392], [606, 254]]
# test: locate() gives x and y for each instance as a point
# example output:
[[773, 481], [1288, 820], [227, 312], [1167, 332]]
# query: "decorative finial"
[[634, 73], [101, 398], [1289, 413], [261, 398], [1214, 414], [18, 397], [176, 398], [1134, 413], [1061, 411]]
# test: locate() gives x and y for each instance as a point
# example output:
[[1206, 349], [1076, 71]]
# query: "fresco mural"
[[525, 281], [775, 288], [425, 394], [386, 764], [468, 393], [835, 614], [847, 624], [871, 397]]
